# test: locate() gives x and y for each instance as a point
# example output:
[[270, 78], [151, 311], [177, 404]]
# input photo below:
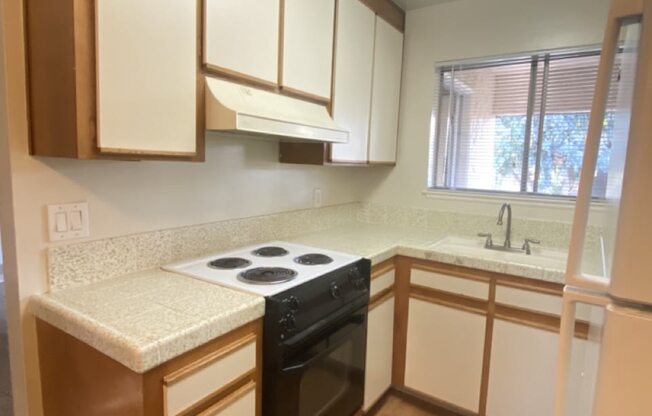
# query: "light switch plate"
[[68, 221]]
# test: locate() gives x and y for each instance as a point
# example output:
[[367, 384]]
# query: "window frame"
[[523, 194]]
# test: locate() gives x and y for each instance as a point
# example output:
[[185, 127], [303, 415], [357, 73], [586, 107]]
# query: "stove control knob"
[[335, 291], [288, 323], [292, 303]]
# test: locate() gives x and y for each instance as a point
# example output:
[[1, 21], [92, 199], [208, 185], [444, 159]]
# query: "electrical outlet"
[[317, 198], [68, 221]]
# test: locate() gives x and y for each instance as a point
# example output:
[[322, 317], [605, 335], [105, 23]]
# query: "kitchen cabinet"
[[241, 40], [380, 337], [308, 30], [366, 87], [478, 341], [444, 353], [354, 51], [221, 377], [385, 93], [524, 352], [100, 87], [522, 375]]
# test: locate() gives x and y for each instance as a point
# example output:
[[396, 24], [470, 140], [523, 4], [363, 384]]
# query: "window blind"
[[518, 125]]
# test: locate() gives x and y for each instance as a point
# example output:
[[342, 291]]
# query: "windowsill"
[[523, 200]]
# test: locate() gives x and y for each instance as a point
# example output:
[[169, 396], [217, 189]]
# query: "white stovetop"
[[198, 268]]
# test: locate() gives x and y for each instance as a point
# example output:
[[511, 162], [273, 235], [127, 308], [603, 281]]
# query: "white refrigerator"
[[614, 377]]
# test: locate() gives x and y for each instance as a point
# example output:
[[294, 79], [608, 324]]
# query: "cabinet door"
[[354, 51], [308, 29], [388, 62], [444, 353], [522, 373], [241, 38], [147, 76], [380, 341]]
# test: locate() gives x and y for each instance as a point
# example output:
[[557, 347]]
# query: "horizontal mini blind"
[[517, 125]]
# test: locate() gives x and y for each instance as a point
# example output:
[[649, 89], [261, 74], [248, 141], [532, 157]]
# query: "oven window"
[[326, 382], [334, 380]]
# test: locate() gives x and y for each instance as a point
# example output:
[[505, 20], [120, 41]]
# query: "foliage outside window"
[[518, 125]]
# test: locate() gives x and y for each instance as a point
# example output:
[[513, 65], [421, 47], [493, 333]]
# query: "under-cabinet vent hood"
[[236, 108]]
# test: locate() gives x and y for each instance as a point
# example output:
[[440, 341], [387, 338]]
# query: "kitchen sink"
[[474, 247]]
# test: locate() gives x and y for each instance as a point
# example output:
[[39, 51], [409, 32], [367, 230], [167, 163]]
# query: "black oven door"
[[323, 374]]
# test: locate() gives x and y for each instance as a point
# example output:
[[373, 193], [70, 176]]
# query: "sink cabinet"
[[446, 338], [478, 342]]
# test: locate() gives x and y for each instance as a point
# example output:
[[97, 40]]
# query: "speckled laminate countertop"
[[147, 318], [381, 242]]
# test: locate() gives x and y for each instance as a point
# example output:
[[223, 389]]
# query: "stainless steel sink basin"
[[474, 247]]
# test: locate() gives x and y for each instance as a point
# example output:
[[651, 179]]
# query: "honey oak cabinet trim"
[[382, 268], [439, 297], [381, 297], [205, 361], [239, 77], [221, 397], [228, 401], [401, 315], [388, 11]]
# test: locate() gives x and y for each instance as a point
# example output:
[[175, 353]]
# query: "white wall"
[[472, 29], [240, 178]]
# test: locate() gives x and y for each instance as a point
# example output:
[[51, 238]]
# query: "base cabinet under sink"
[[444, 353]]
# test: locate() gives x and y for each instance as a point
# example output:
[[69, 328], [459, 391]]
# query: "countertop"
[[147, 318]]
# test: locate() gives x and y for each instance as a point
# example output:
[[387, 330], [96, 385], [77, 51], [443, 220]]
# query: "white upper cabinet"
[[147, 77], [241, 38], [388, 57], [354, 56], [308, 30]]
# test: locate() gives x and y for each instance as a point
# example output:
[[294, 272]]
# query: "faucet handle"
[[488, 242], [526, 245]]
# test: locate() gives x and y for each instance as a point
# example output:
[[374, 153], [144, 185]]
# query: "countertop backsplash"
[[81, 263]]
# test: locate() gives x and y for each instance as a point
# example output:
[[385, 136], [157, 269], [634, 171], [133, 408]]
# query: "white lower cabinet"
[[380, 343], [444, 353], [522, 373], [209, 375]]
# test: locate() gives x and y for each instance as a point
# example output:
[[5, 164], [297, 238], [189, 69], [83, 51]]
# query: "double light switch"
[[68, 221]]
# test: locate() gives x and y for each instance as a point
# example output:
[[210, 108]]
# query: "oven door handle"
[[319, 327], [352, 324]]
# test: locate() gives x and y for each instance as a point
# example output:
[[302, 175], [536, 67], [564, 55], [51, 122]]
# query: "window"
[[518, 125]]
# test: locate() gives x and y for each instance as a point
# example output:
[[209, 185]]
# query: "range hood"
[[237, 108]]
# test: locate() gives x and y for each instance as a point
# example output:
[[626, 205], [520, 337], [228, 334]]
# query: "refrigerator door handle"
[[572, 296]]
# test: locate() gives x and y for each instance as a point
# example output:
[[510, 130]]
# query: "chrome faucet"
[[508, 231]]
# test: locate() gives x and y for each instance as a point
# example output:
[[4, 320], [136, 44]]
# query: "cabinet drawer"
[[451, 284], [526, 299], [382, 282], [192, 384], [241, 402]]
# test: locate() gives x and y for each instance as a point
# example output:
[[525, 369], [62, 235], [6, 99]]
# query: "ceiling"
[[416, 4]]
